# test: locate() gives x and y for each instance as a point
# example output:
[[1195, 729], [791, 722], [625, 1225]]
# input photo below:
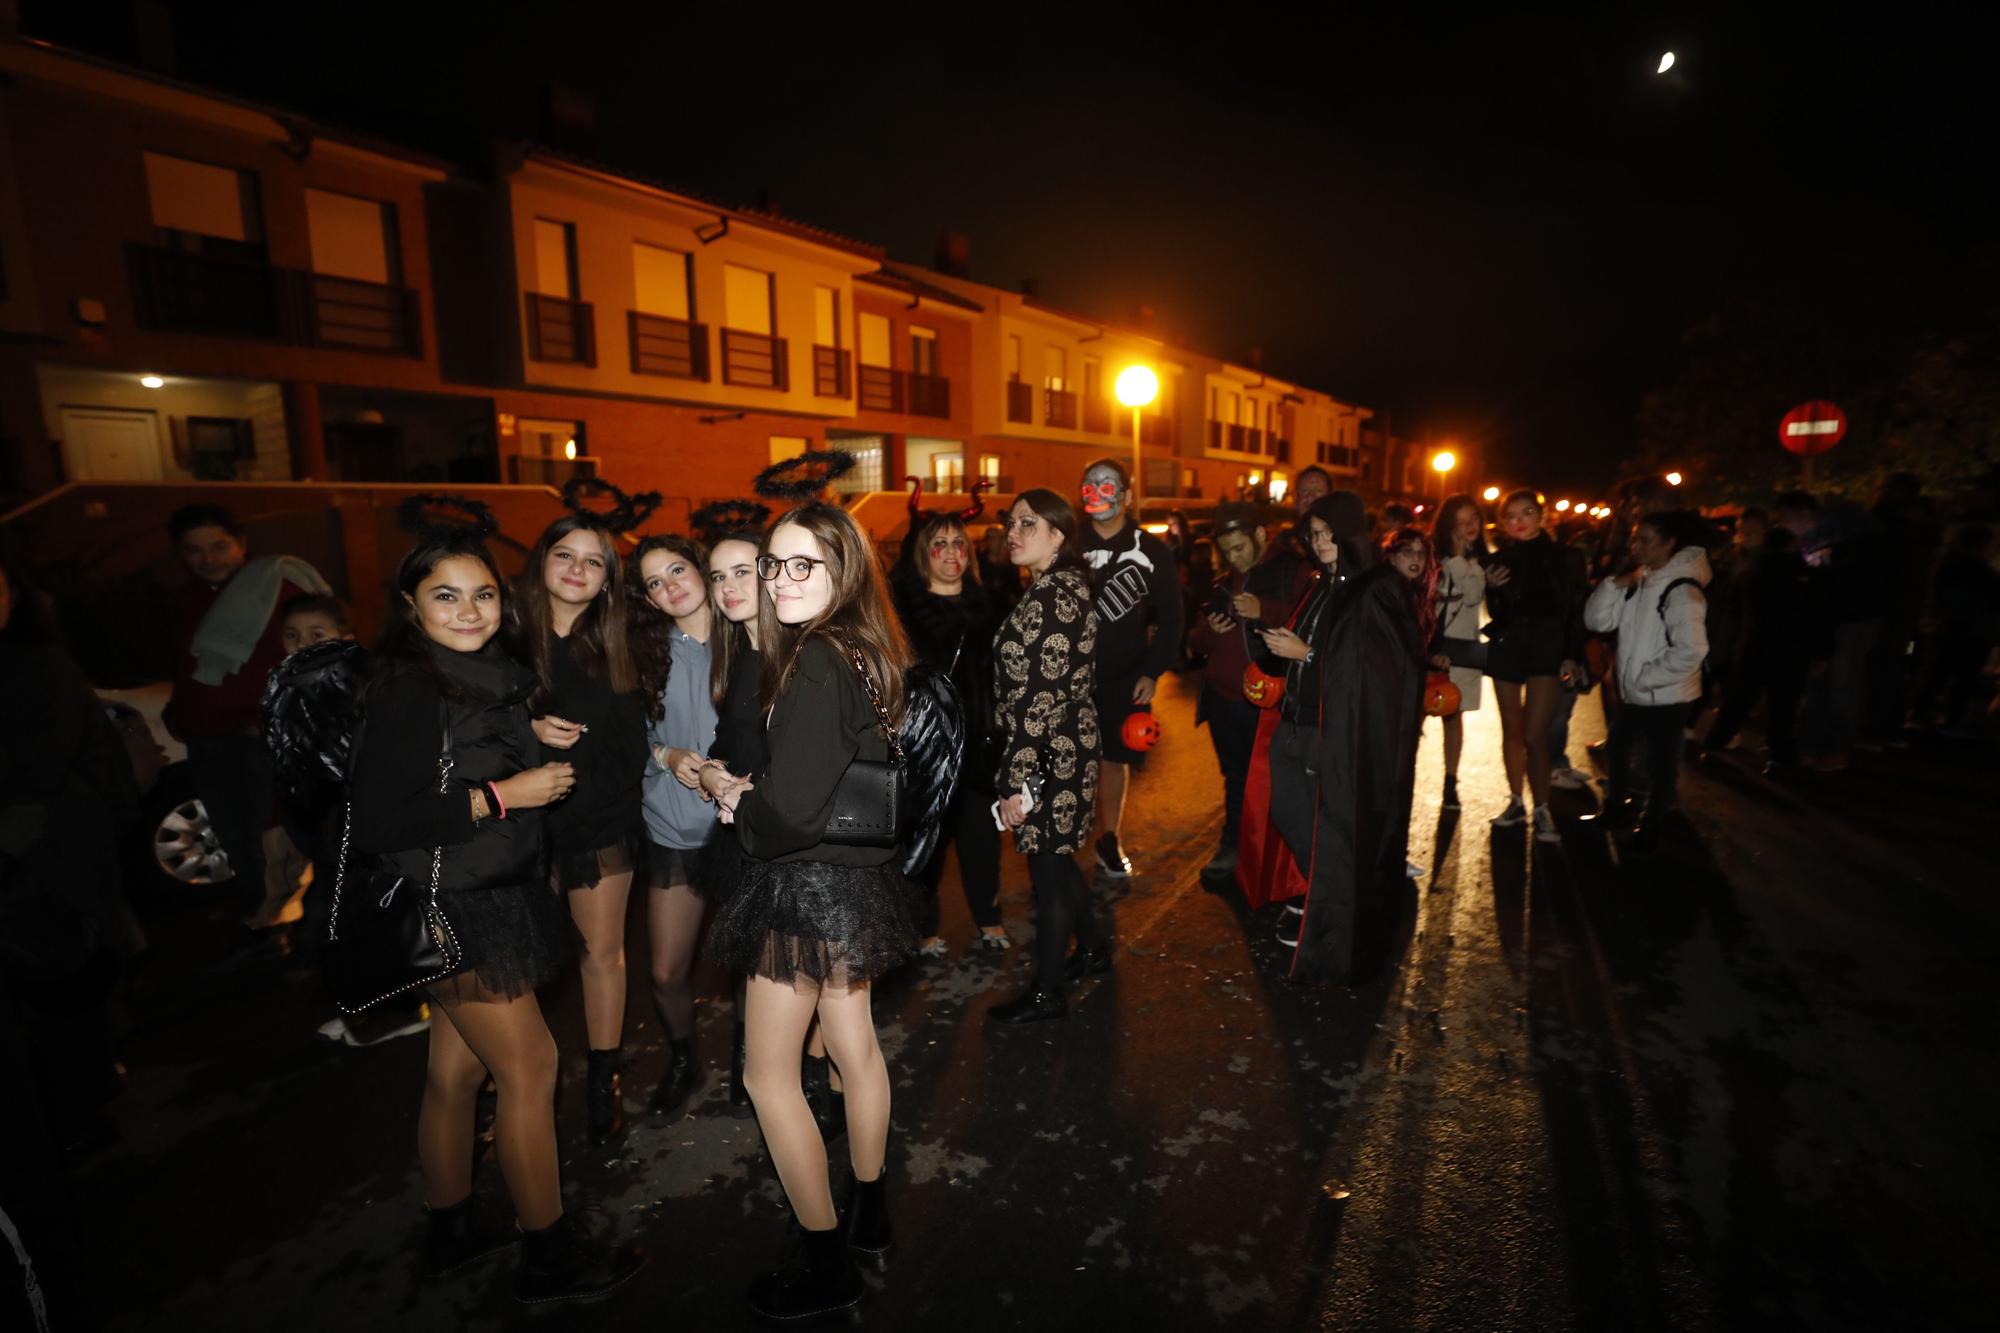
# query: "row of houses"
[[197, 288]]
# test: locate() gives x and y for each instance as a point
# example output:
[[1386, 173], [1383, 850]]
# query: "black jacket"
[[739, 722], [955, 635], [1548, 583], [821, 722], [610, 757], [398, 811]]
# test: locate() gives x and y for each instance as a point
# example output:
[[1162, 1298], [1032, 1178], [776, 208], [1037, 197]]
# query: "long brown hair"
[[599, 635], [650, 629], [859, 614], [1444, 532], [727, 639]]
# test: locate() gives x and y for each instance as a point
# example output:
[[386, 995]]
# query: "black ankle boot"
[[605, 1097], [868, 1233], [456, 1238], [824, 1282], [738, 1094], [683, 1076], [1088, 963], [559, 1265], [1035, 1006]]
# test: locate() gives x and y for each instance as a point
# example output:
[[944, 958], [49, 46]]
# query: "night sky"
[[1492, 226]]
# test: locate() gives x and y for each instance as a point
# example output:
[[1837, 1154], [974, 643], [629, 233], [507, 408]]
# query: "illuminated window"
[[989, 466], [555, 259], [923, 351], [660, 282], [353, 238], [748, 302], [1055, 368], [826, 316], [875, 340]]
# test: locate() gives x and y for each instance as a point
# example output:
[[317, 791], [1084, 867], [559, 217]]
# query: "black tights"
[[1062, 909]]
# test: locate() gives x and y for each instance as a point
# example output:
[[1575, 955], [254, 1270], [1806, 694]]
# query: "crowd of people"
[[693, 714]]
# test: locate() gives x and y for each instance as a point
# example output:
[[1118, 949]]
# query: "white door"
[[106, 444]]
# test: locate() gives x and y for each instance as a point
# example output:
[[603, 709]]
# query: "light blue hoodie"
[[675, 816]]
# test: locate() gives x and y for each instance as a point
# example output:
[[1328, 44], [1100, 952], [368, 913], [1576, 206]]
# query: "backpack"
[[310, 708], [933, 741], [1667, 592]]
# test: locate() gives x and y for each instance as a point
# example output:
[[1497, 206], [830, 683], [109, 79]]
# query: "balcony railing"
[[184, 292], [755, 360], [1256, 440], [930, 395], [1097, 415], [1020, 401], [676, 348], [829, 372], [881, 389], [1238, 439], [561, 331], [1059, 408]]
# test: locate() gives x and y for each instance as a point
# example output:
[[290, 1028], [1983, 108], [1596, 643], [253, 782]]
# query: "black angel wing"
[[309, 709], [933, 739]]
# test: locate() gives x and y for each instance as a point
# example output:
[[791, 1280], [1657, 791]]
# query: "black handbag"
[[387, 935], [868, 800]]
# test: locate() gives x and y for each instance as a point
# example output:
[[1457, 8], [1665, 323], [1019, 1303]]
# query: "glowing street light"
[[1490, 494], [152, 381], [1666, 62], [1562, 506], [569, 449], [1674, 479], [1444, 461], [1136, 386]]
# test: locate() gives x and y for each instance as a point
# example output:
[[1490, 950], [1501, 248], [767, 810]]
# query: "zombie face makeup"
[[1103, 493]]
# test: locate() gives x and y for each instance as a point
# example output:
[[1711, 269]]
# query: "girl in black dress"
[[738, 752], [1535, 589], [951, 621], [812, 922], [571, 622], [440, 665]]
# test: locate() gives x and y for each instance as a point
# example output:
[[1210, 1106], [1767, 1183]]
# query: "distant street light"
[[1562, 506], [1666, 62], [152, 381], [1444, 461], [1673, 479], [1136, 386], [1490, 494]]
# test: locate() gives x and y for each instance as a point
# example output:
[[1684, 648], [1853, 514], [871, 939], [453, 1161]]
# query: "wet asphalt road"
[[1742, 1083]]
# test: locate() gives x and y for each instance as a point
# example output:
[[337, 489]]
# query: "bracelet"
[[498, 803]]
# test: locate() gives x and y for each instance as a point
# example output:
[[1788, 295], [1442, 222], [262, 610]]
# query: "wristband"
[[493, 789]]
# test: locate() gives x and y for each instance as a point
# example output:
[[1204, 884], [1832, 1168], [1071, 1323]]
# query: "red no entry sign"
[[1812, 428]]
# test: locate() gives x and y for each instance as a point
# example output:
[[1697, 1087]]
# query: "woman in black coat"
[[1341, 799], [951, 621], [447, 689]]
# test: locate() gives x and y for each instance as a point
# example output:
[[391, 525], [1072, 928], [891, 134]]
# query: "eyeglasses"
[[799, 567]]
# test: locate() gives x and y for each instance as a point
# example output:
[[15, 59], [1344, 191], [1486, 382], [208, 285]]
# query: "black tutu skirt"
[[719, 866], [830, 924], [515, 937], [582, 870]]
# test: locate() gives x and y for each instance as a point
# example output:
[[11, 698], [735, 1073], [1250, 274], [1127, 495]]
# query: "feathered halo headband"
[[429, 515], [718, 519], [799, 479], [626, 512]]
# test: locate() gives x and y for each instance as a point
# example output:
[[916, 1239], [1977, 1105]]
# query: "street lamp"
[[1136, 386], [1562, 506], [1444, 461], [1490, 494], [1674, 479]]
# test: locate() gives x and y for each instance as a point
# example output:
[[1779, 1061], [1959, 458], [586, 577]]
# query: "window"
[[204, 200], [1013, 357], [555, 259], [353, 238], [660, 282], [551, 439], [1055, 368], [826, 316], [875, 340], [747, 301], [867, 471], [989, 466], [948, 471], [923, 351]]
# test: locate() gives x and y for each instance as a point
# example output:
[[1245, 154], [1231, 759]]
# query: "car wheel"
[[183, 849]]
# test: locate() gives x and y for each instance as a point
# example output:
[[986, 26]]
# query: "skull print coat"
[[1044, 721]]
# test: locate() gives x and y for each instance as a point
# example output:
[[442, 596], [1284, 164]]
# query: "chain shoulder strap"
[[347, 830], [889, 733]]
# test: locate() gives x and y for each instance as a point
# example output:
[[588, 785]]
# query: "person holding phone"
[[1251, 595], [1045, 725]]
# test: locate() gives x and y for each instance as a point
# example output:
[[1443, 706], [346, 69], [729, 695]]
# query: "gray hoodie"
[[675, 816]]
